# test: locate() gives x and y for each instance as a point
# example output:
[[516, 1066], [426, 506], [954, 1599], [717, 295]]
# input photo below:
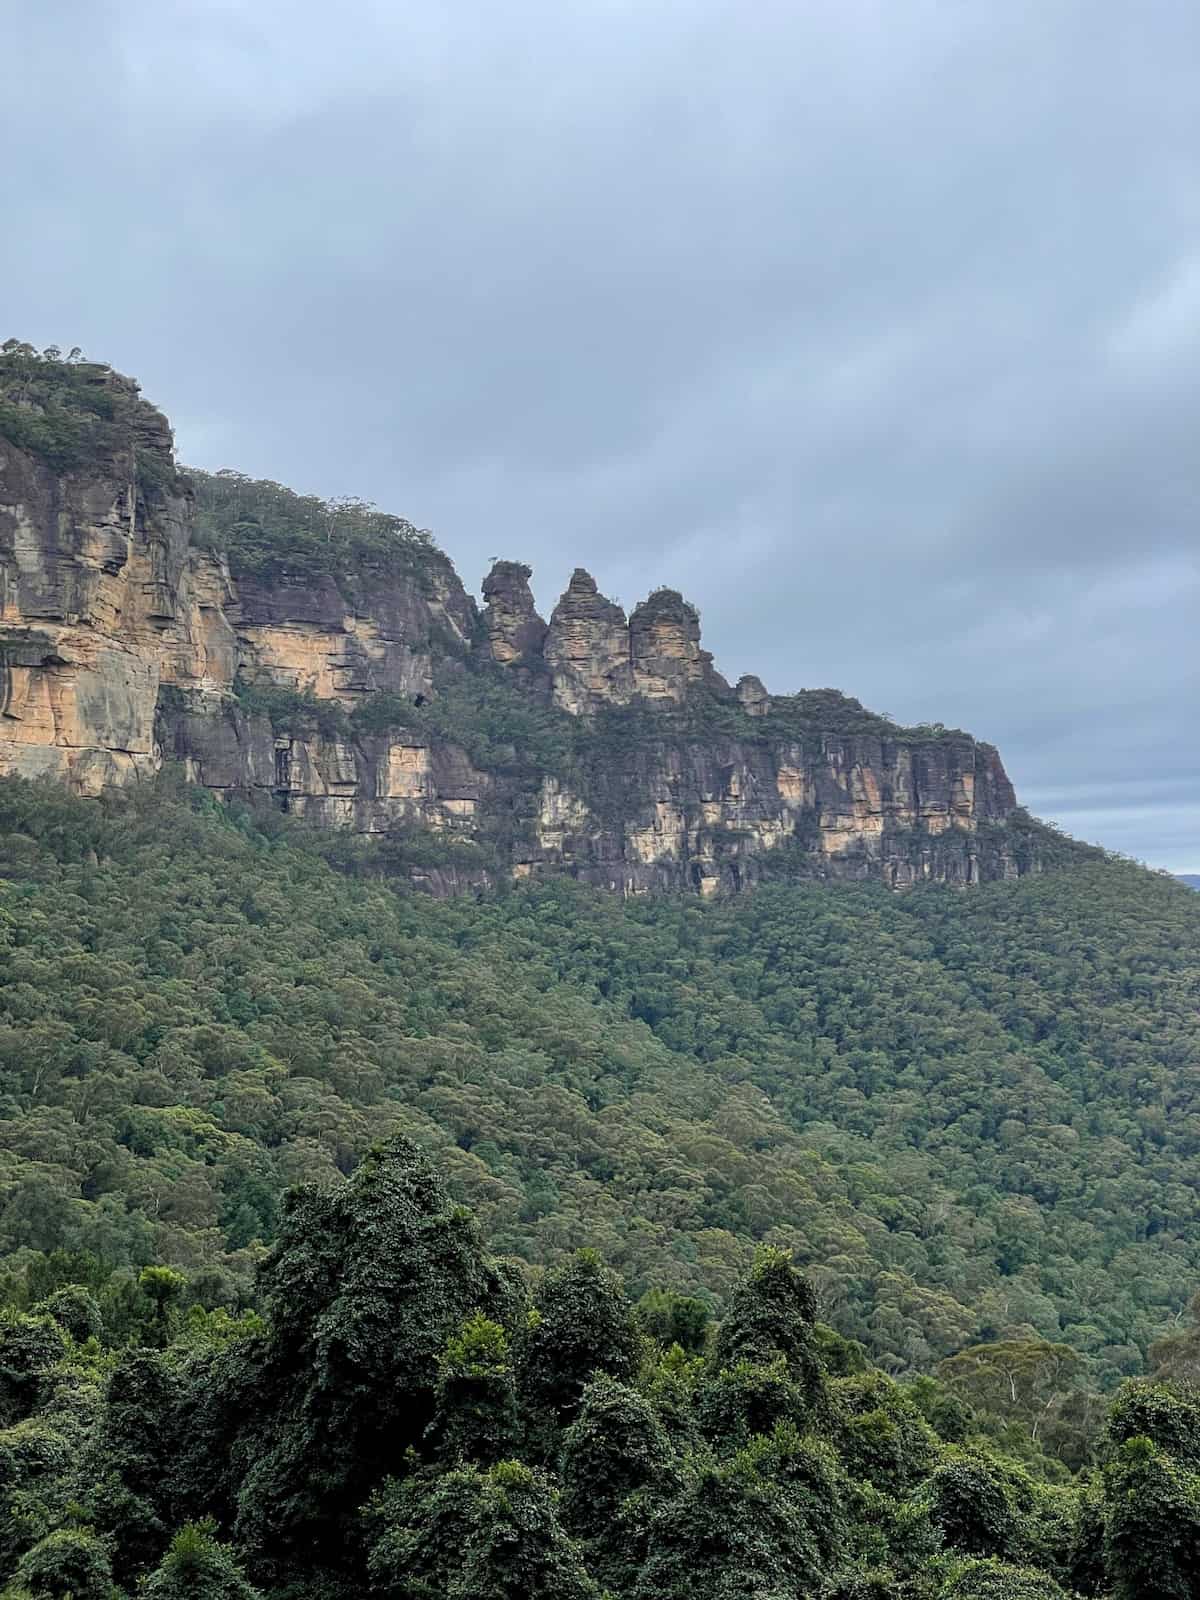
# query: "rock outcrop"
[[94, 579], [587, 649], [664, 649], [511, 625], [379, 699]]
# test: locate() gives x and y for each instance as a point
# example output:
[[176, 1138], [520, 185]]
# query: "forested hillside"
[[969, 1117], [406, 1419]]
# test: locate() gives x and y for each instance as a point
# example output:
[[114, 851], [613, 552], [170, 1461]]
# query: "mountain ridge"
[[325, 657]]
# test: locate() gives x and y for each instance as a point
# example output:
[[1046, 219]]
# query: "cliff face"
[[376, 697], [94, 584]]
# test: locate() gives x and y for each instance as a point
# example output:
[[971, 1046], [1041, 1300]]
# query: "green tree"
[[735, 1403], [30, 1348], [1152, 1524], [68, 1564], [128, 1466], [617, 1465], [197, 1567], [767, 1523], [995, 1580], [76, 1310], [363, 1289], [674, 1319], [163, 1288], [581, 1324], [971, 1503], [1022, 1378], [476, 1417], [517, 1550], [473, 1535], [881, 1436], [771, 1315], [1166, 1414], [1176, 1356]]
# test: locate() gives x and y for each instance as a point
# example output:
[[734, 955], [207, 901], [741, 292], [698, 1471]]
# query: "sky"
[[873, 326]]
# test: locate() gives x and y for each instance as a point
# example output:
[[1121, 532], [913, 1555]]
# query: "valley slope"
[[970, 1116]]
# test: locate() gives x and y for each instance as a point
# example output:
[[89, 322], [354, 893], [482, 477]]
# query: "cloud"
[[1164, 326], [873, 329]]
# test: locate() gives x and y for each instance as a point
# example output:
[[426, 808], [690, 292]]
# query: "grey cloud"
[[876, 329]]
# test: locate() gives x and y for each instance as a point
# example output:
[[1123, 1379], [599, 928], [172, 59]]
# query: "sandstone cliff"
[[329, 660]]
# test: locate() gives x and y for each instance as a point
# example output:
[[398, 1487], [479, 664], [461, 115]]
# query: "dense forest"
[[404, 1417], [968, 1117]]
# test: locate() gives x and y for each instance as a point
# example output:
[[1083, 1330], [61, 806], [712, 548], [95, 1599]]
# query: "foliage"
[[580, 1324], [127, 1465], [765, 1523], [1152, 1531], [73, 414], [295, 711], [476, 1416], [674, 1318], [995, 1580], [1166, 1414], [198, 1567], [1027, 1378], [30, 1347], [362, 1290], [972, 1505], [882, 1436], [296, 1454], [68, 1564], [76, 1310], [500, 728], [616, 1463], [967, 1116], [270, 533], [472, 1535]]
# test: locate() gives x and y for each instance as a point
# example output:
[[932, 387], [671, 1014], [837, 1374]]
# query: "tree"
[[128, 1467], [30, 1348], [771, 1316], [476, 1417], [995, 1580], [1166, 1414], [517, 1550], [674, 1319], [882, 1437], [472, 1535], [68, 1564], [1176, 1356], [1028, 1379], [417, 1530], [1152, 1532], [971, 1503], [363, 1289], [197, 1567], [736, 1403], [766, 1523], [163, 1288], [617, 1466], [76, 1310], [581, 1324]]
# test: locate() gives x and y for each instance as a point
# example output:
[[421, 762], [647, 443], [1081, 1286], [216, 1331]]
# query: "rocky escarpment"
[[328, 660], [95, 584]]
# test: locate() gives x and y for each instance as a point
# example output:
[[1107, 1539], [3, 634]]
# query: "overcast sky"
[[873, 327]]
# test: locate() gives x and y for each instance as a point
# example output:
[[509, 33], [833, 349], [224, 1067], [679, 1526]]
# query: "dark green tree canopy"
[[581, 1324]]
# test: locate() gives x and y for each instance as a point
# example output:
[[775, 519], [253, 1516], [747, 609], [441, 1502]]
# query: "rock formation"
[[513, 629], [597, 745], [587, 649]]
